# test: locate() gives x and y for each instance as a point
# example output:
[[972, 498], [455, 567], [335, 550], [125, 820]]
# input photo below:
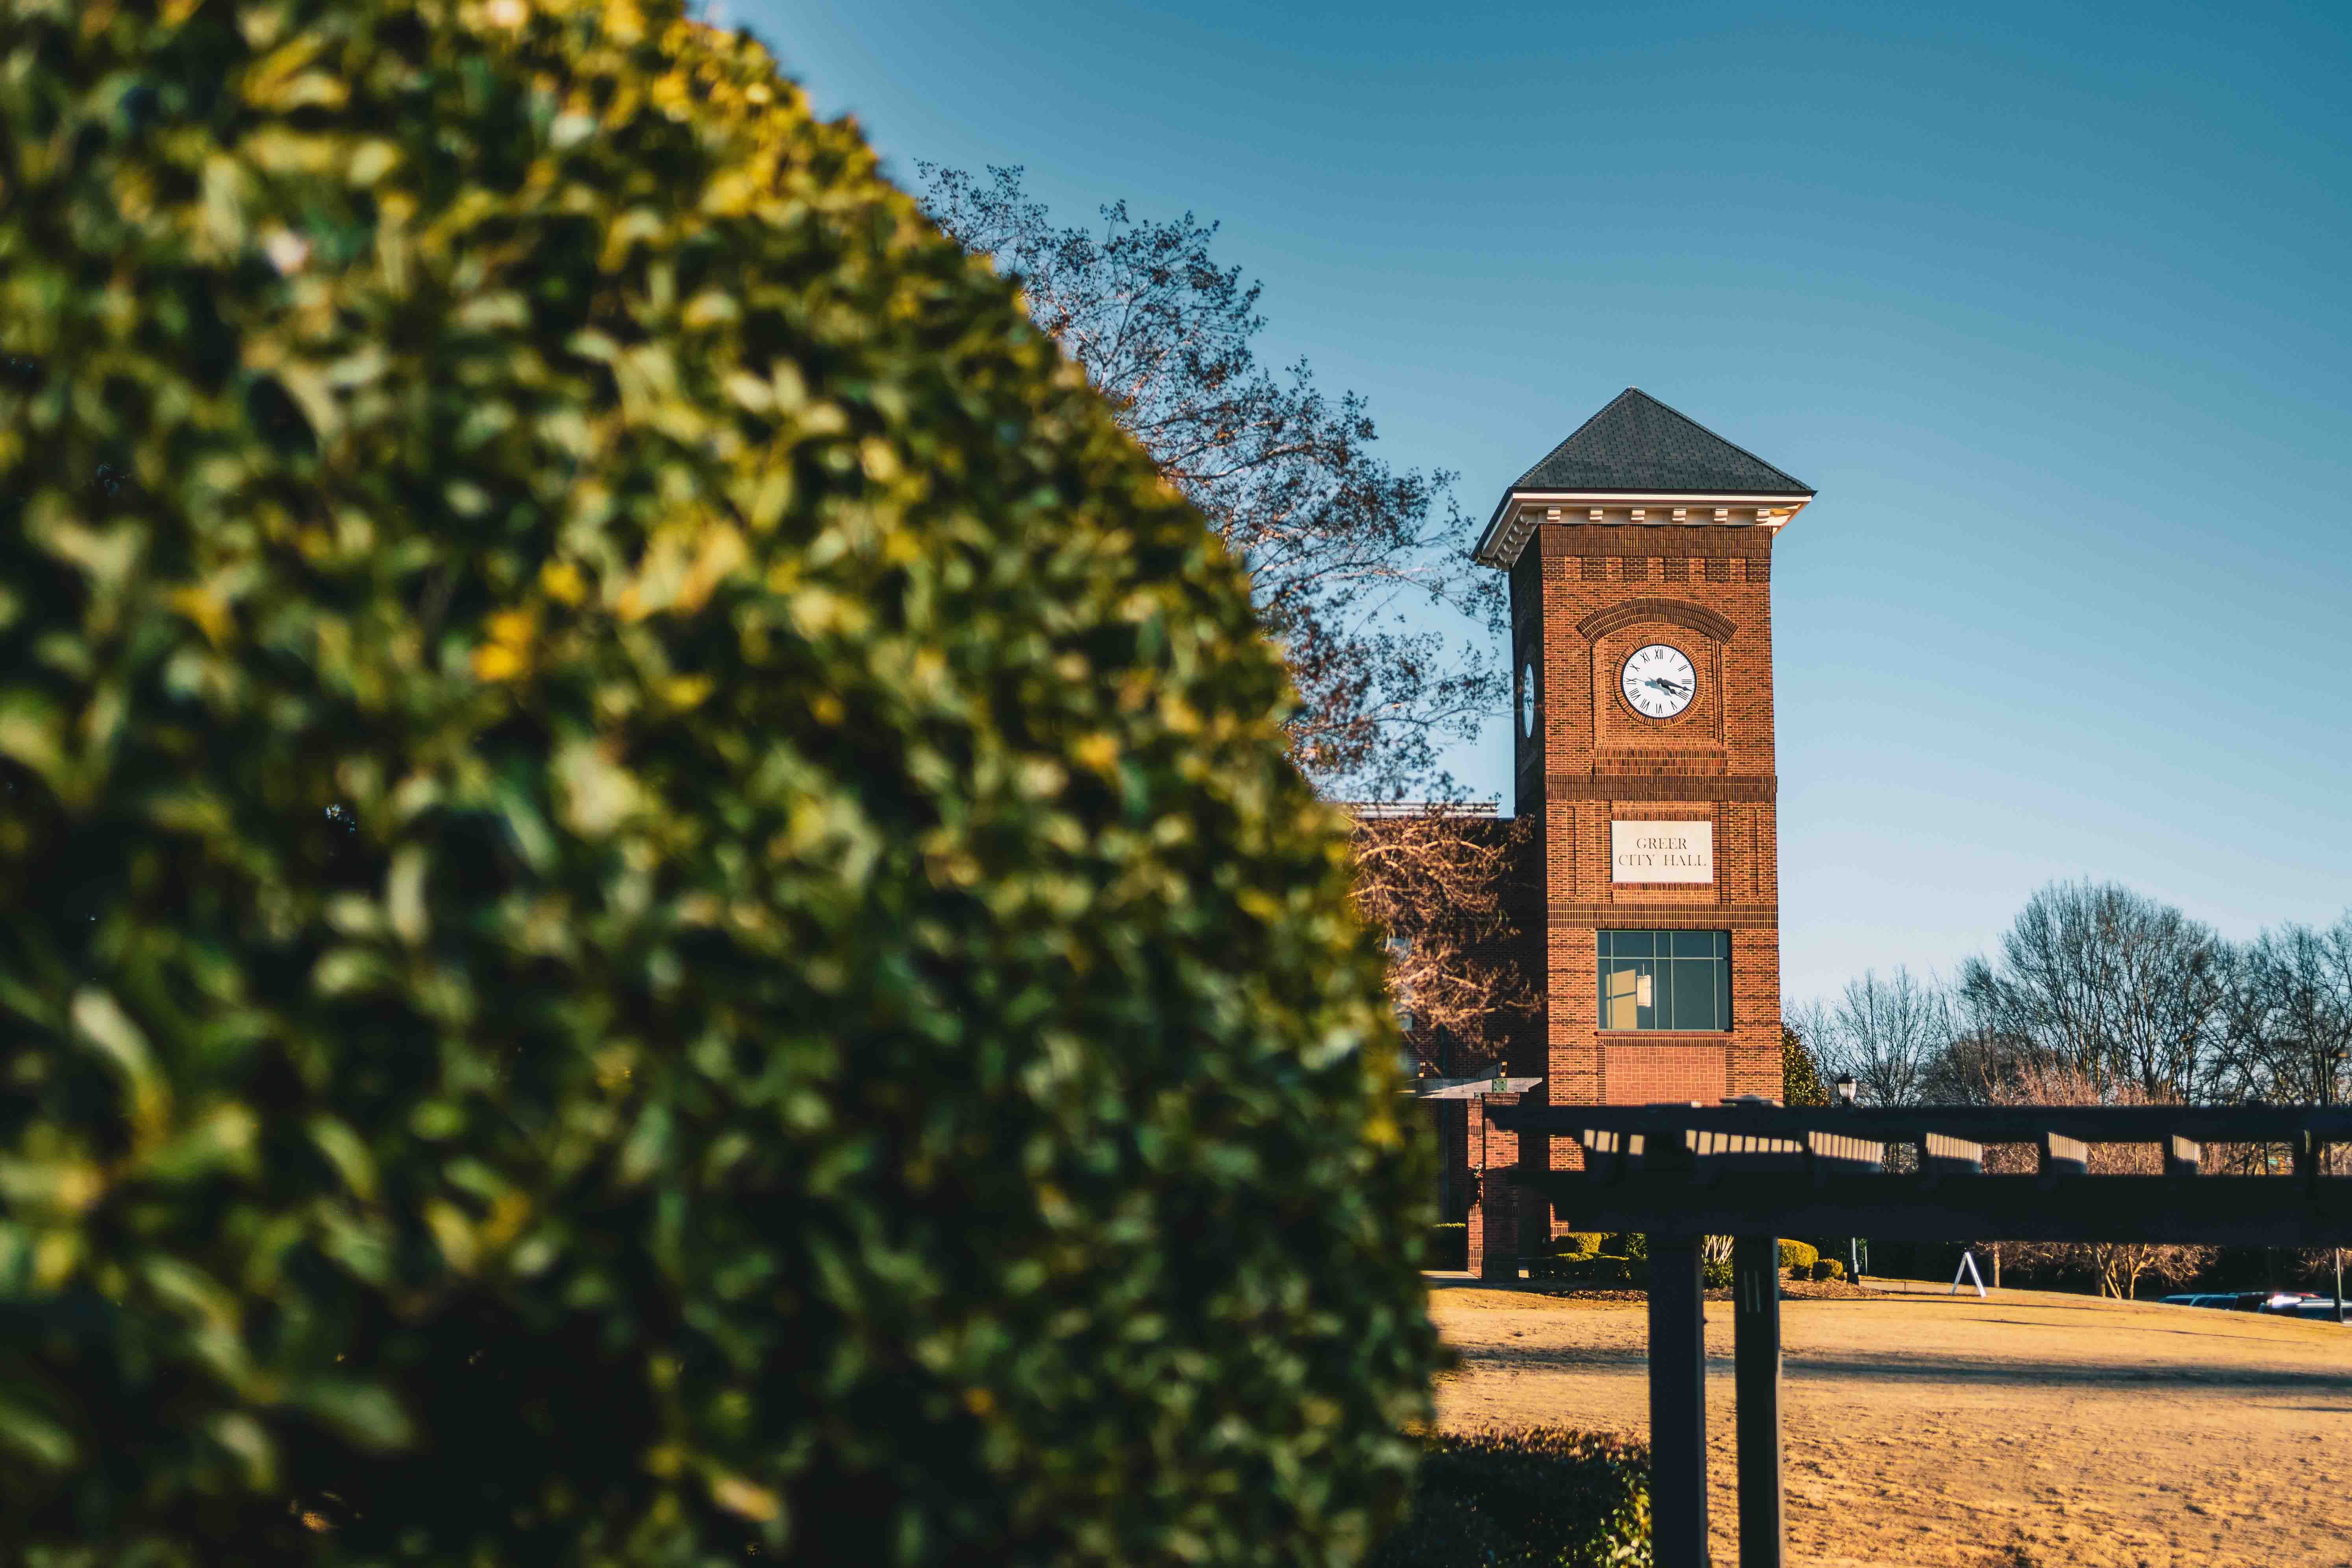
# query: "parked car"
[[2300, 1303]]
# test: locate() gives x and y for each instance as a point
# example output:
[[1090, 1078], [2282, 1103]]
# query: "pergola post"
[[1756, 1356], [1494, 1233], [1678, 1404], [1676, 1173]]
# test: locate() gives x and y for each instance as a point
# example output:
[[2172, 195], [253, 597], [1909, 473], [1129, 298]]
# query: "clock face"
[[1528, 699], [1659, 680]]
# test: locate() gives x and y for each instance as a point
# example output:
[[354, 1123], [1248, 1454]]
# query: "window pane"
[[1632, 943], [1723, 995], [1693, 998], [1722, 943], [1619, 986], [1693, 943]]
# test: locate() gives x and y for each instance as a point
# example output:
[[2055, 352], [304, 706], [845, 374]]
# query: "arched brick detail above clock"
[[1599, 623]]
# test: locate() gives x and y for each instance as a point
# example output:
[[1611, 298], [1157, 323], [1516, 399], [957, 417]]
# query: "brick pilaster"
[[1494, 1217]]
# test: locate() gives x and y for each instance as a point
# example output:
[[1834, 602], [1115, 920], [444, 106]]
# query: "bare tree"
[[1886, 1033], [1974, 1066], [2118, 1266], [1337, 544], [1438, 881], [1334, 541], [2289, 1038], [2289, 1015], [2108, 984]]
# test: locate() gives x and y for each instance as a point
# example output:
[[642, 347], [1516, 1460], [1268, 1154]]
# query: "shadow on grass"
[[1917, 1366]]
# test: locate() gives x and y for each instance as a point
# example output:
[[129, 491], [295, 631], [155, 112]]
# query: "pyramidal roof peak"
[[1638, 446]]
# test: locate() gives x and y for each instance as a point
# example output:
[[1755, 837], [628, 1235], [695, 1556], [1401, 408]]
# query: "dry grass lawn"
[[1925, 1429]]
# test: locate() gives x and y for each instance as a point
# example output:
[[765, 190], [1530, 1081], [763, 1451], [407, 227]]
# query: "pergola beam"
[[1977, 1124], [2244, 1211]]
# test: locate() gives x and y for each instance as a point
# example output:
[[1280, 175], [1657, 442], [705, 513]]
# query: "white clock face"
[[1659, 680], [1528, 699]]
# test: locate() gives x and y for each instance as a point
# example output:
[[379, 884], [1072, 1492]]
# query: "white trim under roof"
[[1383, 808], [1524, 511]]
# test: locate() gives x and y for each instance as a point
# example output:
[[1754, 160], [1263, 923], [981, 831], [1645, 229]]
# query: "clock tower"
[[1639, 558]]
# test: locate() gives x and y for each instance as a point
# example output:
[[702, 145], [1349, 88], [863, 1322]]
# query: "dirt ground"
[[1923, 1428]]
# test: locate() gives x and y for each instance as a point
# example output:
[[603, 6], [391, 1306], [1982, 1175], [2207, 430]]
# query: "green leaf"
[[364, 1413], [34, 1436]]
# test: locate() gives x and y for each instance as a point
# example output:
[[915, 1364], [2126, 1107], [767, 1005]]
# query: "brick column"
[[1494, 1217]]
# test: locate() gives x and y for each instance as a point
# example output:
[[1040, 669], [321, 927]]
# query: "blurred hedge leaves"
[[650, 908]]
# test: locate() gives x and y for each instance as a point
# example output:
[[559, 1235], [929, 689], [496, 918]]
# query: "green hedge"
[[1588, 1270], [1541, 1499], [1798, 1255], [651, 903]]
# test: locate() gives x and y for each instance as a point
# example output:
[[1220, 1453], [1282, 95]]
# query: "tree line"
[[2105, 985], [2098, 995]]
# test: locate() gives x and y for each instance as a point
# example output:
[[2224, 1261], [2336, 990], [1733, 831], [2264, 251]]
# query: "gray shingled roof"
[[1637, 444]]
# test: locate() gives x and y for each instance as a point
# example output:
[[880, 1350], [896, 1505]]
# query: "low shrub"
[[1828, 1268], [1549, 1496], [1799, 1254], [1586, 1270], [1578, 1244], [1714, 1274], [1448, 1247]]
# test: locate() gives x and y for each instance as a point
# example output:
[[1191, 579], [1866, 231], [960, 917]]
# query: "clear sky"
[[2048, 301]]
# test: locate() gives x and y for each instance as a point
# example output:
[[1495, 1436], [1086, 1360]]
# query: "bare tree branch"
[[1333, 538]]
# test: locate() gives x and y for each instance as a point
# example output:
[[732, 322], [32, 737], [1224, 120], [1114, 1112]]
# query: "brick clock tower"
[[1640, 556]]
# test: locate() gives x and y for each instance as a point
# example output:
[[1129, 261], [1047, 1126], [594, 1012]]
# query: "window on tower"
[[1665, 979]]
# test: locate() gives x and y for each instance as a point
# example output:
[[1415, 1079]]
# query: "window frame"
[[1618, 958]]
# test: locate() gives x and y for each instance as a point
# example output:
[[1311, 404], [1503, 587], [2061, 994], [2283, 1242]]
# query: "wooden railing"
[[1756, 1172]]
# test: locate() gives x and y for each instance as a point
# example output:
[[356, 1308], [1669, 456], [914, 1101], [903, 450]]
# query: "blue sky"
[[2048, 301]]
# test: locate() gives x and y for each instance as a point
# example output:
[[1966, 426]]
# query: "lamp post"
[[1845, 1087], [2327, 1097]]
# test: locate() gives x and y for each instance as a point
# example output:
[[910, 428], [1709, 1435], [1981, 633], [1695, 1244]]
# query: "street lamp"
[[2327, 1097], [1845, 1087]]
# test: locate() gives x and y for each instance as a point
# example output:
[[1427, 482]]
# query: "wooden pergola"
[[1822, 1170]]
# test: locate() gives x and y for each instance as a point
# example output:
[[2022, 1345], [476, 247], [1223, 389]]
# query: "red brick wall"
[[1671, 1069], [1585, 597]]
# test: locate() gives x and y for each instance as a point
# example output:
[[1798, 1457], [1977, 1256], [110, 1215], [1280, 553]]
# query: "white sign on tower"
[[1662, 851]]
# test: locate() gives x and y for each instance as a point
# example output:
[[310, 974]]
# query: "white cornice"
[[1520, 513], [1657, 498]]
